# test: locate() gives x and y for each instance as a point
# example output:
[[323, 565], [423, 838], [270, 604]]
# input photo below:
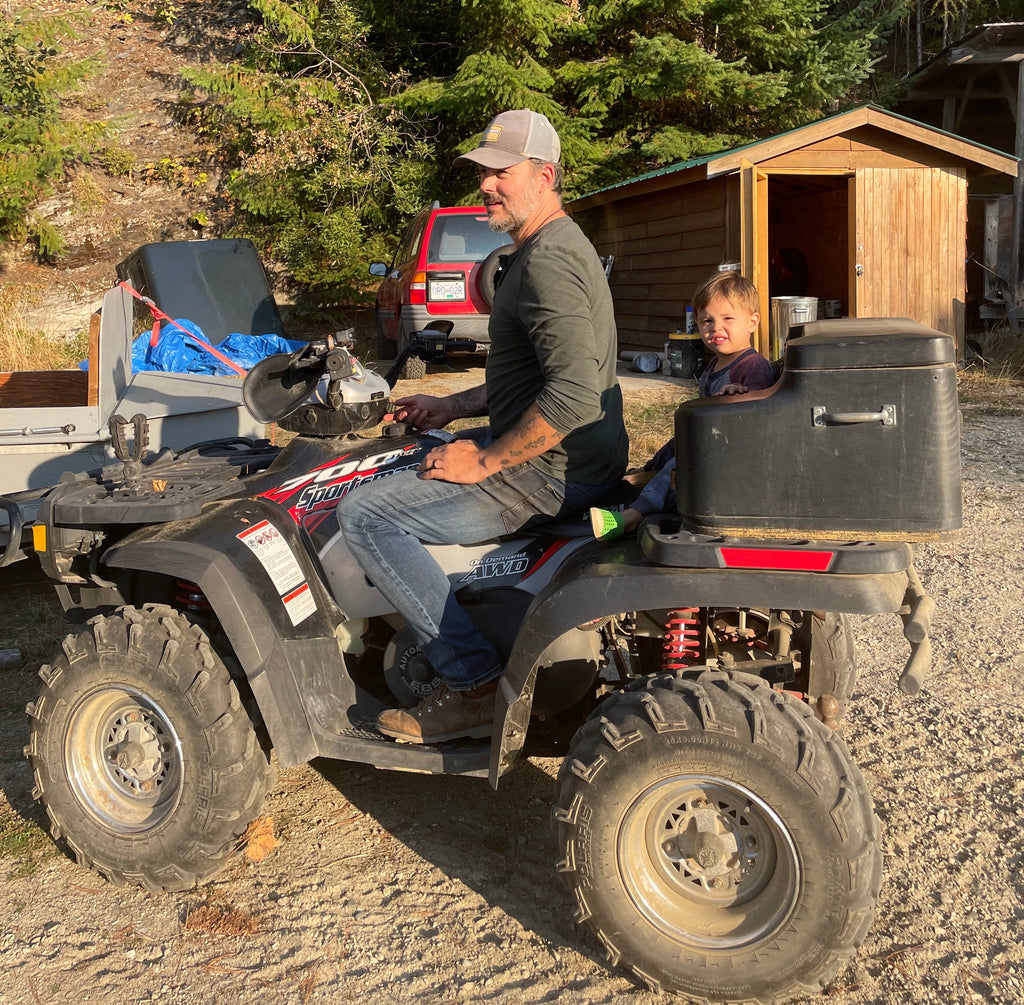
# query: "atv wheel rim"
[[123, 759], [707, 863]]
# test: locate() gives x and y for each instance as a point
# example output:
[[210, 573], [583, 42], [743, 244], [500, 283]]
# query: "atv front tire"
[[143, 755], [718, 839]]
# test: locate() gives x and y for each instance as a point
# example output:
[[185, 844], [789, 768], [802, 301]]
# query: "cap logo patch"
[[493, 134]]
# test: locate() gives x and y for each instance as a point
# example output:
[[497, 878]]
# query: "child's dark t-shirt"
[[751, 370]]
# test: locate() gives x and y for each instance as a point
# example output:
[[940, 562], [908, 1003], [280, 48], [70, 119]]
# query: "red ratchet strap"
[[160, 316]]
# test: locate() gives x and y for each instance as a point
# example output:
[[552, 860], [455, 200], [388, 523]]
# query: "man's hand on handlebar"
[[424, 411]]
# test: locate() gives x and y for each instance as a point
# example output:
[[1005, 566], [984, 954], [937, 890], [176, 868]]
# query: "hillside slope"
[[158, 177]]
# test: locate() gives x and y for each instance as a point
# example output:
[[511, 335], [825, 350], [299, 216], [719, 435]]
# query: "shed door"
[[908, 245], [754, 242]]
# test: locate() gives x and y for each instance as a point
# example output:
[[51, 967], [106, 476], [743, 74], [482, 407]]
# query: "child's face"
[[725, 328]]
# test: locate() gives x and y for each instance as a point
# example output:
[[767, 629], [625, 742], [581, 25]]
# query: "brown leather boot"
[[443, 715]]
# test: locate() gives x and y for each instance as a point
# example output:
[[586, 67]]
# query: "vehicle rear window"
[[463, 238]]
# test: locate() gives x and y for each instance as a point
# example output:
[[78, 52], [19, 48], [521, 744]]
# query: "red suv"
[[443, 271]]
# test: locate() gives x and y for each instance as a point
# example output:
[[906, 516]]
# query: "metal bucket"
[[788, 312]]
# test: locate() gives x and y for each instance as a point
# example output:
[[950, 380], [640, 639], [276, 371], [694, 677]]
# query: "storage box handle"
[[821, 416]]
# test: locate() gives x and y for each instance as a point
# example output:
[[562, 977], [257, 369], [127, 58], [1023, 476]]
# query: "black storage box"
[[220, 285], [860, 438]]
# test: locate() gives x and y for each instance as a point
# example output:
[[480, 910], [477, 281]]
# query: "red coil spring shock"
[[189, 597], [682, 639]]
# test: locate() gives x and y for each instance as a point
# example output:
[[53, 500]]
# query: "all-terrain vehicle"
[[712, 827]]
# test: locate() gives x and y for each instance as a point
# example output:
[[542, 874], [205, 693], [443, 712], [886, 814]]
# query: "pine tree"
[[676, 79], [323, 171], [35, 141]]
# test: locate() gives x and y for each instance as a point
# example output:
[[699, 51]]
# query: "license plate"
[[447, 289]]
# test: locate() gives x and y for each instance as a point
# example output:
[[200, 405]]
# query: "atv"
[[713, 830]]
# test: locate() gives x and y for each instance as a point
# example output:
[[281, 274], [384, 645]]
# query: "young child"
[[726, 307]]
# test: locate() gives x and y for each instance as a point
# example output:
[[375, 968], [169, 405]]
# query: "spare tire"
[[487, 274]]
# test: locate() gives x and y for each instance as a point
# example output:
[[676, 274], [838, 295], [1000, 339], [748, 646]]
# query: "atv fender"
[[601, 580], [295, 670]]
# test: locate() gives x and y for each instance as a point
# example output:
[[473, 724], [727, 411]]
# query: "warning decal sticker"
[[267, 544], [299, 603]]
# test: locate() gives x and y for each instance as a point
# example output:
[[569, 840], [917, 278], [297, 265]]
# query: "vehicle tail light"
[[418, 288]]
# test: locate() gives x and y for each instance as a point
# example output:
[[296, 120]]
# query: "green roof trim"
[[731, 151]]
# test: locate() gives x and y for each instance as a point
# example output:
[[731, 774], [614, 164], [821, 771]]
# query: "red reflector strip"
[[772, 558]]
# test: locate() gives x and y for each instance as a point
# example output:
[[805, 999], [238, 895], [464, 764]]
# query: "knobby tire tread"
[[745, 710], [153, 649]]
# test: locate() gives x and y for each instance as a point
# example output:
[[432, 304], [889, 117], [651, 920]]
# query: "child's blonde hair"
[[737, 289]]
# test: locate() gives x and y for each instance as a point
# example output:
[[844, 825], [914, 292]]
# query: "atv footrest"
[[362, 741]]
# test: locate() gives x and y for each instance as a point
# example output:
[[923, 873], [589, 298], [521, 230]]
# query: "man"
[[555, 444]]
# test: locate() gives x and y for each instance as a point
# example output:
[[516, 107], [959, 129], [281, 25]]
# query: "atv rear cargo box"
[[859, 438]]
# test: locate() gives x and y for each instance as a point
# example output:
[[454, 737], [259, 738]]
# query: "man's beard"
[[514, 213]]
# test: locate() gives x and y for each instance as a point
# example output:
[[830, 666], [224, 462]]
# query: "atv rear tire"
[[718, 839], [833, 664], [147, 764]]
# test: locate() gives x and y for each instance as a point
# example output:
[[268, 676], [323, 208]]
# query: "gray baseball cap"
[[513, 137]]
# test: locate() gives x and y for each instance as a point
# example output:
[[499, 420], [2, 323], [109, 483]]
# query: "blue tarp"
[[175, 352]]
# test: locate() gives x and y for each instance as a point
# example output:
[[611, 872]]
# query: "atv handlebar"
[[432, 345]]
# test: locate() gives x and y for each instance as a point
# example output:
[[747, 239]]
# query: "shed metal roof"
[[728, 161]]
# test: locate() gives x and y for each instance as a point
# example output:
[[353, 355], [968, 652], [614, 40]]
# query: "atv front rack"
[[169, 487]]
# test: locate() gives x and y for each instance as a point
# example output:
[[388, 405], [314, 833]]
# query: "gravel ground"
[[392, 887]]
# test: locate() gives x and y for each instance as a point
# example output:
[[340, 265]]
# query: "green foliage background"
[[342, 117], [35, 141]]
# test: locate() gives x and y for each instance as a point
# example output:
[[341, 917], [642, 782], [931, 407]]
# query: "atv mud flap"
[[603, 580]]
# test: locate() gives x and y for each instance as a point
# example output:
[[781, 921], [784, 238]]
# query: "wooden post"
[[93, 396], [1018, 191]]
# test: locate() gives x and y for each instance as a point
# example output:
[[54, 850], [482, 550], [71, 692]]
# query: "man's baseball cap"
[[513, 137]]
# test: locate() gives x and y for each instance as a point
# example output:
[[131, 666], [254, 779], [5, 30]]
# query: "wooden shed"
[[865, 207]]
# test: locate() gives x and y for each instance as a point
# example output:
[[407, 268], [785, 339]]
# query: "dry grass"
[[214, 920], [33, 620], [24, 344], [993, 381], [650, 422]]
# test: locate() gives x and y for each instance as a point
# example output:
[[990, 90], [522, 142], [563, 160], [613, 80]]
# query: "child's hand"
[[731, 389]]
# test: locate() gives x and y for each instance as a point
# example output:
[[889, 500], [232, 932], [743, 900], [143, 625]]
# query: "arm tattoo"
[[541, 437]]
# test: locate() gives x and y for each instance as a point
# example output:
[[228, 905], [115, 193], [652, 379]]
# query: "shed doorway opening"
[[808, 240]]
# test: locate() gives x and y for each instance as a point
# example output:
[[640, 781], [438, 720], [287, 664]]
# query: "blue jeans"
[[386, 523]]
